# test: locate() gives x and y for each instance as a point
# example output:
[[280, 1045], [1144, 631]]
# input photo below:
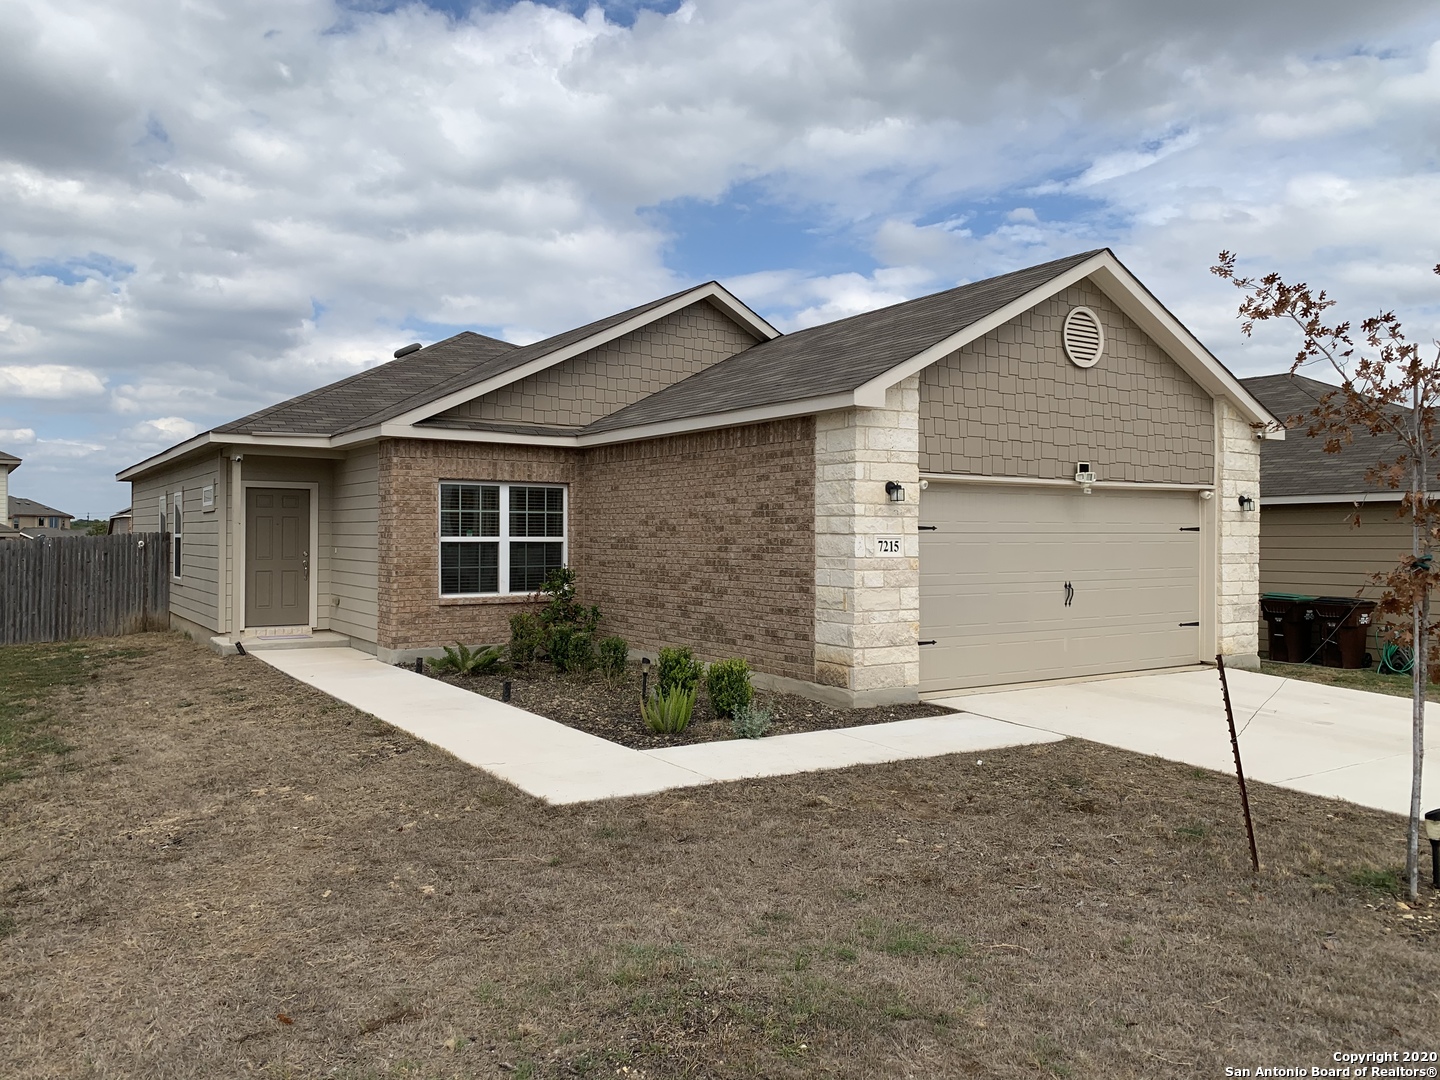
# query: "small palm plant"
[[668, 713], [465, 661]]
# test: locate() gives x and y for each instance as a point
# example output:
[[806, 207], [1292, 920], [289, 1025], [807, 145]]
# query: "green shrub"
[[613, 653], [571, 649], [728, 684], [750, 721], [561, 608], [463, 661], [678, 669], [668, 713], [526, 637]]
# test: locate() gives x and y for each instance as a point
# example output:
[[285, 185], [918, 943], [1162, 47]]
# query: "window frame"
[[177, 534], [502, 541]]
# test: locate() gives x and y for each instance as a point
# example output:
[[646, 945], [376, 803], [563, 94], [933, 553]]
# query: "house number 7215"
[[887, 545]]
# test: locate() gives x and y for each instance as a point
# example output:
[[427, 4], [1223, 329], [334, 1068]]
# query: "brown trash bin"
[[1342, 624], [1286, 617]]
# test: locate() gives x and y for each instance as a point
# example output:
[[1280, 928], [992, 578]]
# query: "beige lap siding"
[[412, 614], [705, 540]]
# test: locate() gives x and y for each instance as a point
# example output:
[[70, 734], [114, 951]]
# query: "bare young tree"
[[1387, 388]]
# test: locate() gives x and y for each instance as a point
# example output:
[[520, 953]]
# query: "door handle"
[[1069, 593], [305, 563]]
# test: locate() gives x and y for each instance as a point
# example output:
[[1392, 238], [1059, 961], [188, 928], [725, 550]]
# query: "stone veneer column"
[[867, 607], [1237, 626]]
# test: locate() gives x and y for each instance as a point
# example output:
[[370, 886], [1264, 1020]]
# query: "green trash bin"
[[1286, 617]]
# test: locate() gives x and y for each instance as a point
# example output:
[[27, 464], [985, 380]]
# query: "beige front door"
[[1024, 584], [277, 557]]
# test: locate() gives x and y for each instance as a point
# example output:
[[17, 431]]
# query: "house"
[[8, 464], [28, 514], [120, 521], [1010, 480], [1309, 542]]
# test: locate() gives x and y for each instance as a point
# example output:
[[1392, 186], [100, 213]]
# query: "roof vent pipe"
[[407, 350]]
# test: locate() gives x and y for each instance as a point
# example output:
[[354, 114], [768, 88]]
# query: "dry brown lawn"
[[230, 874]]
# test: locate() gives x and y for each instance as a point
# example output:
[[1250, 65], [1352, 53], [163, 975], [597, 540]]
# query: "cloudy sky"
[[208, 206]]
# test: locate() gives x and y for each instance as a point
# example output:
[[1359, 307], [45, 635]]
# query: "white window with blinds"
[[500, 539]]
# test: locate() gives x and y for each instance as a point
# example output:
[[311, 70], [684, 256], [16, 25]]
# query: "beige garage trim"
[[994, 564]]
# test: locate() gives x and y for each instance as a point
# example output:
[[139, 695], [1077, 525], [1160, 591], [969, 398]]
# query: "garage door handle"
[[927, 528], [930, 642], [1189, 624], [1189, 528]]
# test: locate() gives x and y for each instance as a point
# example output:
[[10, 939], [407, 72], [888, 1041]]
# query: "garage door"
[[1021, 584]]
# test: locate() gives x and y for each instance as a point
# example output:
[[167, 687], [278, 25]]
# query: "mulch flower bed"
[[610, 708]]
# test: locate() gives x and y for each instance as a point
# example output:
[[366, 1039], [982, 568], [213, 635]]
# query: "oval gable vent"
[[1084, 339]]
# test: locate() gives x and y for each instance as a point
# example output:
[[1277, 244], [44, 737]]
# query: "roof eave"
[[269, 440]]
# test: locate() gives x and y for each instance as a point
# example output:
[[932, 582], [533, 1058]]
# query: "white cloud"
[[17, 436], [54, 381], [163, 430]]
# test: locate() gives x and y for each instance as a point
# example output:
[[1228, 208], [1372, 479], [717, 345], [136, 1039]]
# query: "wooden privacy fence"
[[60, 587]]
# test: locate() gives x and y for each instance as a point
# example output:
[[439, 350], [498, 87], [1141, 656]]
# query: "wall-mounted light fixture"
[[895, 490], [1246, 502]]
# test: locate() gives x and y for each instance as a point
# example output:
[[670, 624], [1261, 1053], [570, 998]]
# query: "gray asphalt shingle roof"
[[1298, 464], [385, 392], [29, 507], [834, 358]]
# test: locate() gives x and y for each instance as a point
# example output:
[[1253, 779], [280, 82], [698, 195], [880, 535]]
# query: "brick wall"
[[584, 388], [702, 540], [412, 614], [1012, 404], [706, 540]]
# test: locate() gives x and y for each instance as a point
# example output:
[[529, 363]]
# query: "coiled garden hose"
[[1396, 660]]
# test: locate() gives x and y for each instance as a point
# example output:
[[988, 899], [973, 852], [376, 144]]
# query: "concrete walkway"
[[562, 765], [1325, 740]]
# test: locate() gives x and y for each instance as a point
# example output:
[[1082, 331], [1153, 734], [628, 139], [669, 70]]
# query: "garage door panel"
[[993, 574]]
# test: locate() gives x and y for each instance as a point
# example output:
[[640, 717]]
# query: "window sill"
[[491, 598]]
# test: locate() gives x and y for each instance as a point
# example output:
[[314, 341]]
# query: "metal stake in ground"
[[1239, 769]]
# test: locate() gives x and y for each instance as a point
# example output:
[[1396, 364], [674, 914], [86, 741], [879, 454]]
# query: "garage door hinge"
[[1189, 624], [927, 528], [930, 642], [1189, 528]]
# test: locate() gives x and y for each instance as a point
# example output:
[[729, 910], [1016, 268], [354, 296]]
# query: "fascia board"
[[179, 450], [1357, 498], [709, 291], [397, 430], [707, 422], [313, 445], [979, 328]]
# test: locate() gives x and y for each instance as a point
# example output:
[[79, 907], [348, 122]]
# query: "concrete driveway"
[[1343, 744]]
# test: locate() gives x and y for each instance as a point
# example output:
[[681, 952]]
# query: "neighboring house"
[[28, 514], [1309, 543], [866, 510], [120, 521], [8, 464]]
